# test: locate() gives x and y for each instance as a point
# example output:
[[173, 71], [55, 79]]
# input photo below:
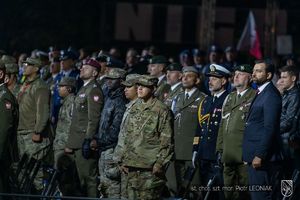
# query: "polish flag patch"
[[96, 98], [8, 105]]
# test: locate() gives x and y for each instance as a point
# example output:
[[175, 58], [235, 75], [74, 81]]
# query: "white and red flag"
[[249, 40]]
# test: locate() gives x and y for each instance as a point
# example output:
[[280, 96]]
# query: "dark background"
[[29, 24]]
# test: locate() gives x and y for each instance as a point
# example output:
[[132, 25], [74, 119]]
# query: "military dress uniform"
[[9, 116], [86, 115], [150, 144], [162, 89], [64, 119], [209, 117], [13, 68], [174, 89], [185, 108], [230, 137]]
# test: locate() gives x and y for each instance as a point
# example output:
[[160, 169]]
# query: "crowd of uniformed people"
[[148, 127]]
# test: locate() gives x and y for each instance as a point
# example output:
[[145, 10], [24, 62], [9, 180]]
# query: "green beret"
[[174, 67], [12, 68], [68, 81], [147, 80], [244, 68], [8, 59], [131, 79], [158, 60], [33, 61], [116, 73]]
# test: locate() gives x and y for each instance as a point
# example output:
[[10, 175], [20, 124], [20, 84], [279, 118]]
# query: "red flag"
[[250, 39]]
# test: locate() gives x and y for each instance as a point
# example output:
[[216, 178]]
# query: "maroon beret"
[[92, 62]]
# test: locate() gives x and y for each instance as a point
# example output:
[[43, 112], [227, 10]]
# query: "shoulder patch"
[[96, 98], [8, 105]]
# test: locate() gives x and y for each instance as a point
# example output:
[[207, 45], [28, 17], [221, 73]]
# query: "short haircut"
[[270, 67], [292, 70]]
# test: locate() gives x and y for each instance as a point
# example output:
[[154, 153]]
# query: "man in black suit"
[[261, 138]]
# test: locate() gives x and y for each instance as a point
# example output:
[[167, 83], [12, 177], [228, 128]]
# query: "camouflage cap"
[[174, 67], [33, 61], [158, 60], [12, 68], [8, 59], [244, 68], [147, 80], [68, 81], [131, 79], [116, 73]]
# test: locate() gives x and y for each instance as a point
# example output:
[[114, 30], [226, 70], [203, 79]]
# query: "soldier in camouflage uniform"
[[86, 115], [157, 68], [12, 71], [174, 76], [149, 148], [8, 130], [67, 87], [107, 137], [33, 138], [131, 95]]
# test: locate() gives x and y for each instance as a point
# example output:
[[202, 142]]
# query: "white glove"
[[194, 159]]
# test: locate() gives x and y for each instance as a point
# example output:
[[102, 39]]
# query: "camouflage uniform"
[[34, 115], [64, 119], [109, 127], [149, 145], [130, 81]]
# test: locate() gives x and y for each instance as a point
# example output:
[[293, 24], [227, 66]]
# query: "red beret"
[[92, 62]]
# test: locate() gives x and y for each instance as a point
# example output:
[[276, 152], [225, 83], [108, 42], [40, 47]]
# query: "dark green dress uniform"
[[162, 89], [172, 94], [230, 139], [185, 124], [9, 117], [86, 115]]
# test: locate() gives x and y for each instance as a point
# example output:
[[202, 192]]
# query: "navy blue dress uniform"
[[209, 117]]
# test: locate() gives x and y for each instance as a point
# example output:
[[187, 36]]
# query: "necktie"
[[186, 96]]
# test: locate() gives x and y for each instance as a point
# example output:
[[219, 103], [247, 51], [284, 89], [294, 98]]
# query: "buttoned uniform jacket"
[[9, 116], [230, 137], [172, 95], [185, 123], [86, 114], [209, 117], [162, 89]]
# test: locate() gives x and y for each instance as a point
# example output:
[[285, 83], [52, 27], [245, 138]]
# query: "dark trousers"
[[209, 172], [259, 178]]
